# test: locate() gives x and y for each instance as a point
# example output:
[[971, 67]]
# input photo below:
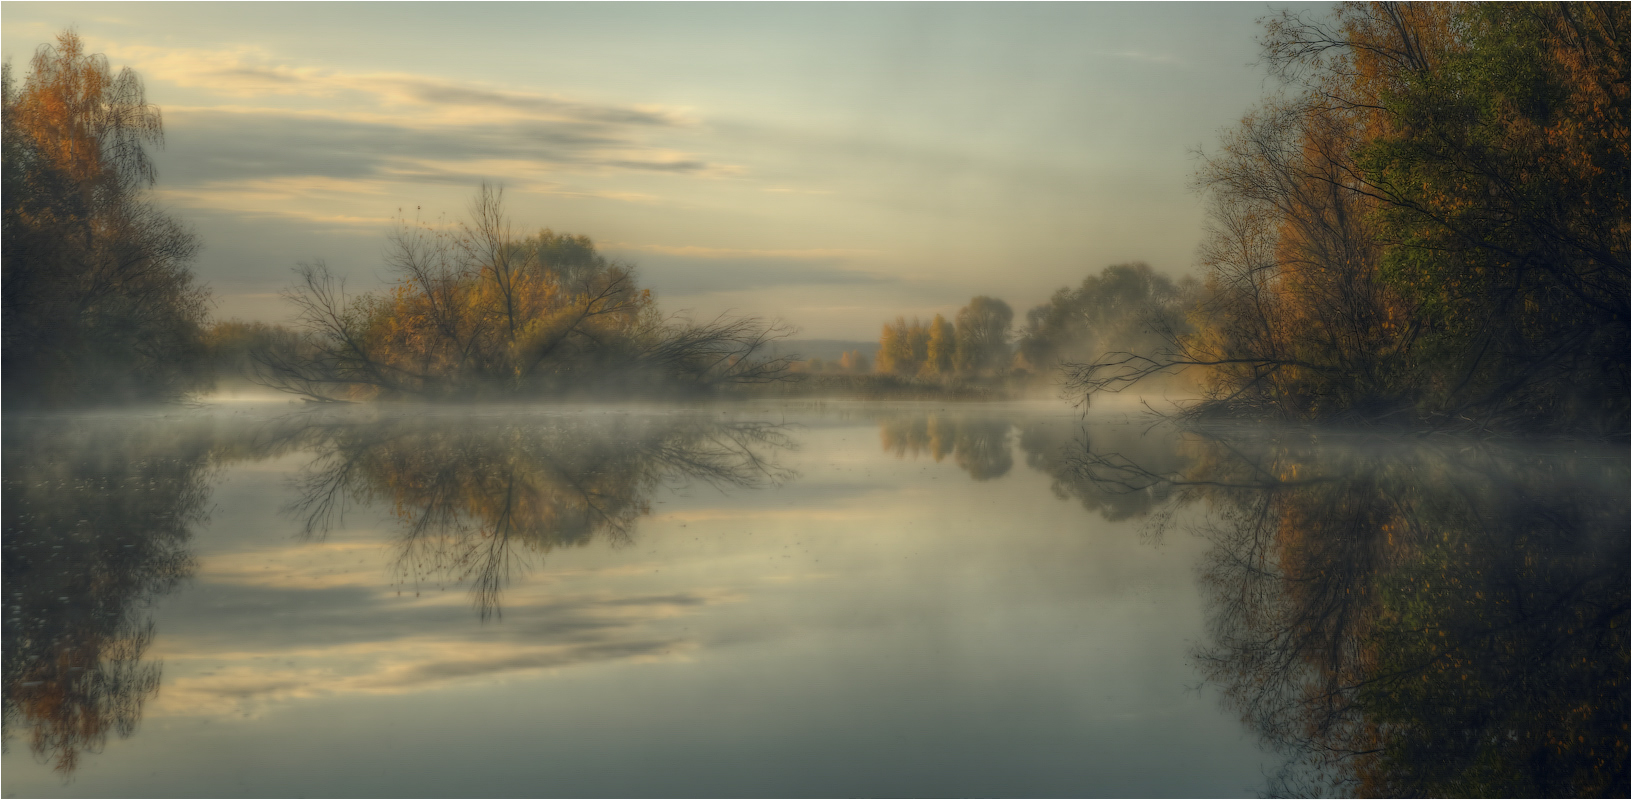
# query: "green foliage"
[[1505, 172], [1430, 225]]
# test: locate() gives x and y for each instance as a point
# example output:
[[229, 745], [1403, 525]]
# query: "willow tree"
[[100, 303]]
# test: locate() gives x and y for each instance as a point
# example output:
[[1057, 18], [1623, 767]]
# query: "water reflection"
[[1429, 620], [978, 445], [97, 520], [1054, 446], [473, 497], [983, 447]]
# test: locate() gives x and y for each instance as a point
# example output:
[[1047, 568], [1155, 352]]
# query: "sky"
[[828, 165]]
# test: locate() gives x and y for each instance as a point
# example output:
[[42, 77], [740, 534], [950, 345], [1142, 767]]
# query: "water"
[[777, 600]]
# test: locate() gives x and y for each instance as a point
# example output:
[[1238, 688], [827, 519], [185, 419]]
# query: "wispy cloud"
[[254, 72], [321, 145], [378, 645]]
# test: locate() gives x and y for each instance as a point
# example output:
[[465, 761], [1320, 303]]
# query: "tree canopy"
[[1430, 223], [479, 311], [1127, 307], [99, 301]]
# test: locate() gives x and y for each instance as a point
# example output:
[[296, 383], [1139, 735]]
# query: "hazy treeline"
[[98, 298], [1127, 307], [1428, 223]]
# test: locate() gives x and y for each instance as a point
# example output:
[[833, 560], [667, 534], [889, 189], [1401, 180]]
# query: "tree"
[[99, 302], [1126, 308], [479, 312], [939, 348], [1430, 224], [982, 335], [853, 361], [903, 347]]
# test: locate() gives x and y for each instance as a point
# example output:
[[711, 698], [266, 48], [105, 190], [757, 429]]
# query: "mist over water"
[[801, 599]]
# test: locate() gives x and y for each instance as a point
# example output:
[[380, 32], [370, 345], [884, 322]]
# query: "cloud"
[[255, 72], [371, 132], [234, 142], [346, 168]]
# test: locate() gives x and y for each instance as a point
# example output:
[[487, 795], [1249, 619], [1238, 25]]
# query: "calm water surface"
[[810, 600]]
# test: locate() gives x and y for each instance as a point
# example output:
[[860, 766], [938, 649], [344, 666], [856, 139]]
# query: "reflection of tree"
[[1052, 445], [1055, 447], [1419, 621], [97, 517], [468, 492], [980, 446]]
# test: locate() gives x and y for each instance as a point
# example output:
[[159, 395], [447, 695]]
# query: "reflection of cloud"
[[380, 647], [308, 566], [406, 665]]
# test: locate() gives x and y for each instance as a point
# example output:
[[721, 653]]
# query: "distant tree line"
[[1127, 307]]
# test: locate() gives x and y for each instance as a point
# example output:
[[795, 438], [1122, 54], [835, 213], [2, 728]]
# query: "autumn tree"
[[99, 302], [1428, 224], [853, 361], [903, 347], [478, 311], [940, 347]]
